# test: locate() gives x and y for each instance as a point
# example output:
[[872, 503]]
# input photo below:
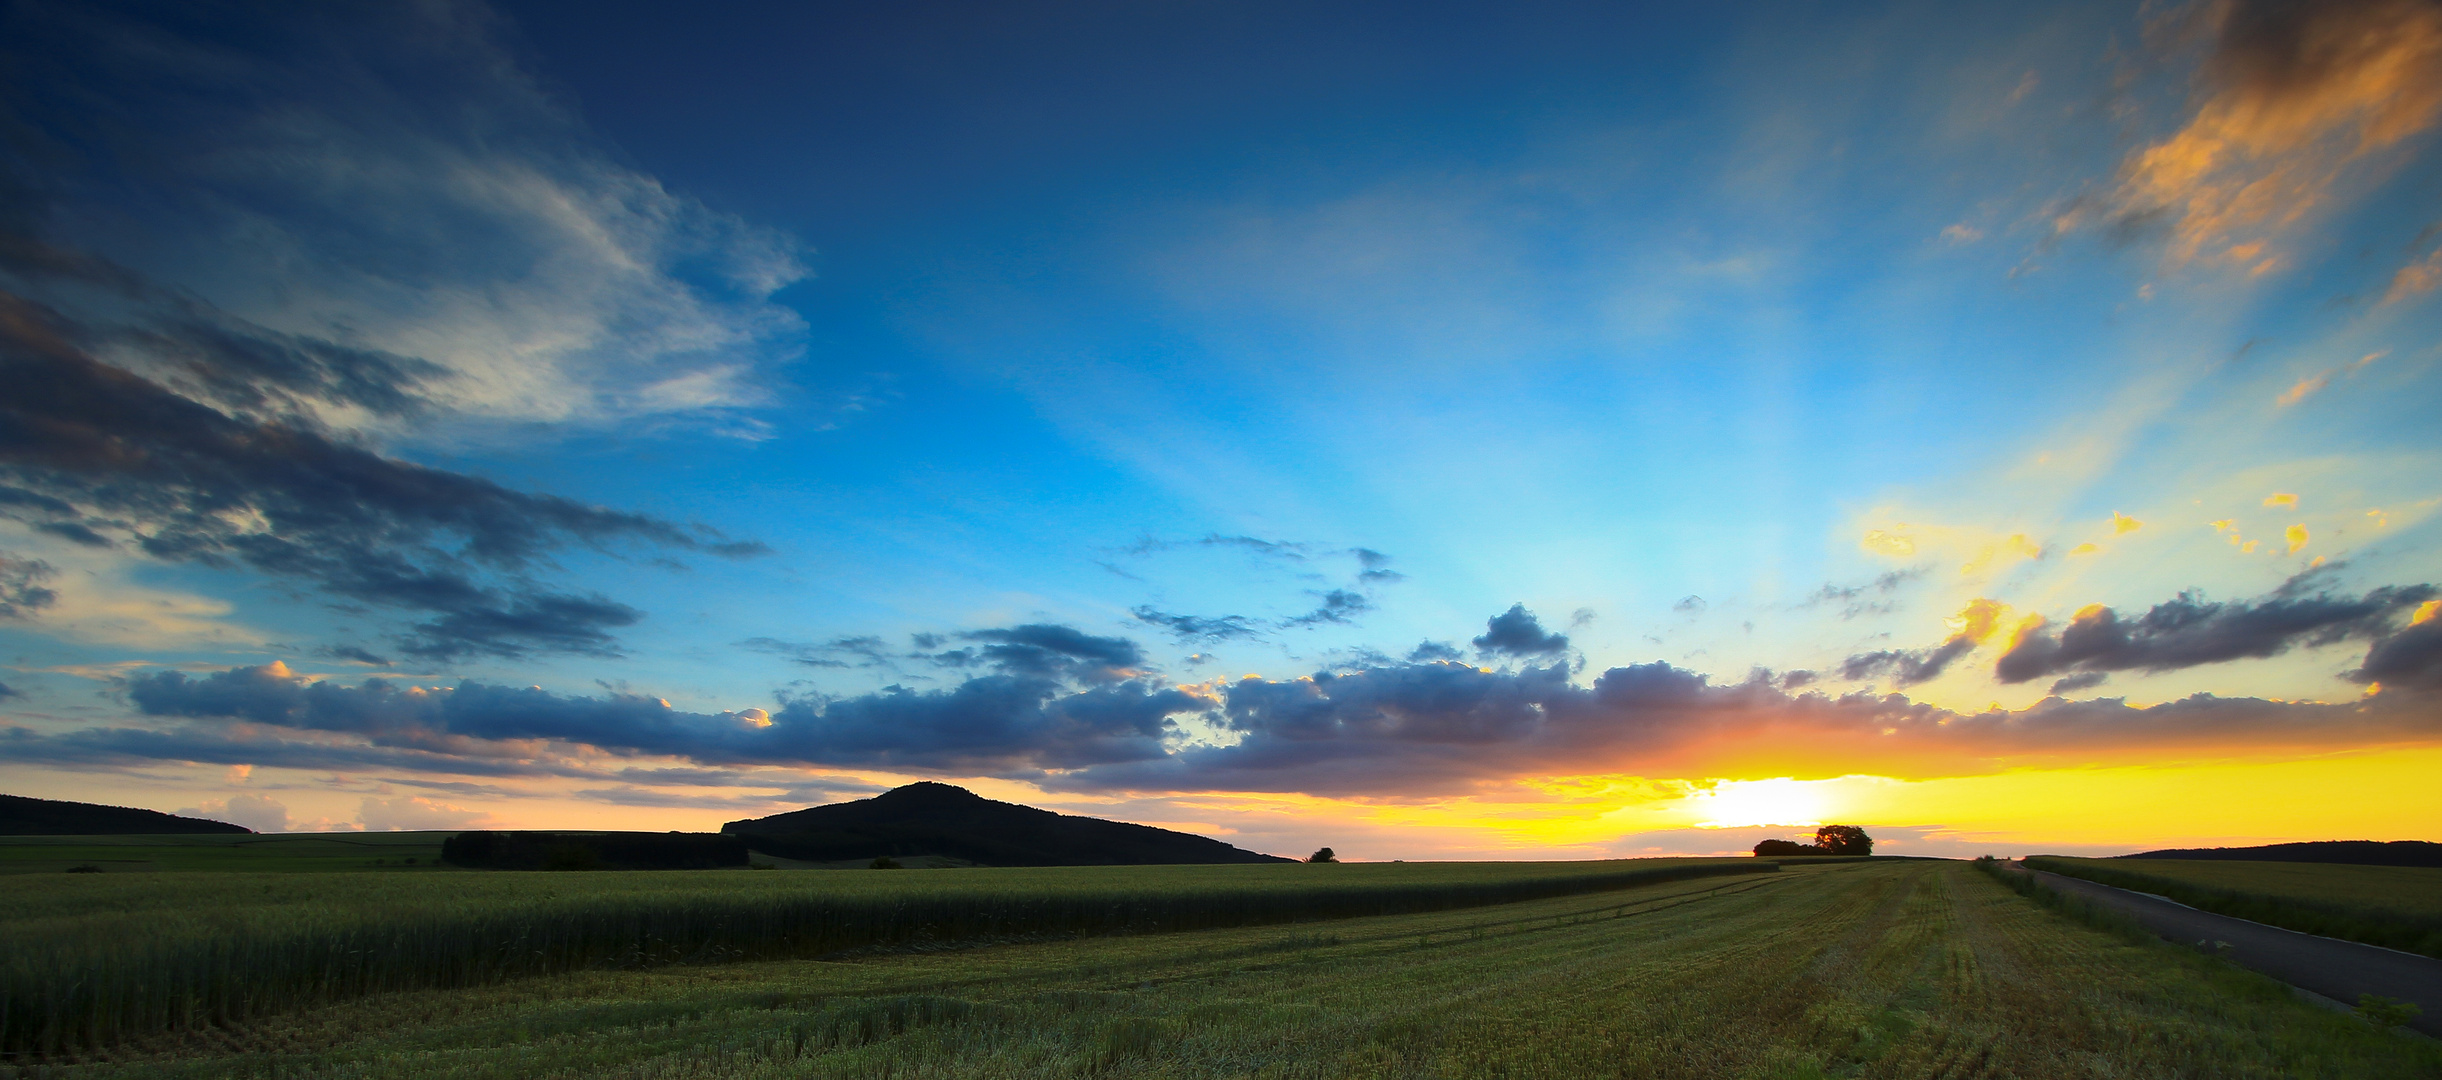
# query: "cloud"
[[20, 596], [2283, 499], [1049, 650], [1338, 606], [2289, 98], [1873, 597], [2416, 278], [867, 651], [2086, 680], [7, 692], [2410, 658], [2189, 631], [1974, 624], [262, 813], [426, 227], [1385, 728], [1434, 650], [1199, 628], [416, 814], [1515, 633], [186, 482]]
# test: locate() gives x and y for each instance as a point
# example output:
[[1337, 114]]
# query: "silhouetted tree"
[[1322, 855], [1844, 840], [1782, 849]]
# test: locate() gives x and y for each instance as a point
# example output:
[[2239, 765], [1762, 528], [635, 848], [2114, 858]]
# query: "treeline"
[[1829, 840], [2405, 931], [60, 993]]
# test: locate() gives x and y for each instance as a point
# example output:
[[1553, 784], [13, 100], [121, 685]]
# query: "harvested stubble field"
[[2397, 907], [1882, 969]]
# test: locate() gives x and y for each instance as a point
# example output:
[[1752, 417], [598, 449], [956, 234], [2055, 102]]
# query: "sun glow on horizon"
[[1734, 804]]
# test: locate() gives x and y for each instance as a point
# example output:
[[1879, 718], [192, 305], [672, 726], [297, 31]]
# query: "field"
[[214, 851], [1883, 969], [93, 959], [2397, 907]]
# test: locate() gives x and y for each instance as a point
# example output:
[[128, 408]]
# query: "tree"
[[1322, 855], [1844, 840], [1782, 849]]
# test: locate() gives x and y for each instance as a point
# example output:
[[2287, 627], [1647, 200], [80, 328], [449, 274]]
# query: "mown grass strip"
[[61, 993], [2390, 929]]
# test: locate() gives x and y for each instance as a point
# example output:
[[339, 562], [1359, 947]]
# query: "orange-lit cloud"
[[2281, 498], [2290, 97], [2297, 537], [2415, 278], [2122, 524]]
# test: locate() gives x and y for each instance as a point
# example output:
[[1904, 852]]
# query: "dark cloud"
[[187, 482], [1871, 598], [1797, 680], [1375, 567], [1026, 717], [2411, 658], [2087, 680], [75, 533], [1908, 666], [1388, 728], [20, 595], [863, 650], [355, 653], [2189, 631], [1338, 606], [7, 692], [1434, 650], [1045, 649], [140, 414], [1911, 666], [1208, 629], [1689, 604], [1515, 633]]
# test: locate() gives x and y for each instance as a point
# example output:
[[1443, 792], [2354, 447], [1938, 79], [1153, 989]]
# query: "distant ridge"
[[941, 819], [21, 816], [2356, 852]]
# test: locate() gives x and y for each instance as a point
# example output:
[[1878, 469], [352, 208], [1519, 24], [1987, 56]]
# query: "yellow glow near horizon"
[[1783, 801]]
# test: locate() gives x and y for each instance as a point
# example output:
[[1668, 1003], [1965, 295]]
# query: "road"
[[2336, 969]]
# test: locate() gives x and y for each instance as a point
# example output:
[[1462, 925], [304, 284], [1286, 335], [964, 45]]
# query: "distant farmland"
[[1881, 969], [2396, 907]]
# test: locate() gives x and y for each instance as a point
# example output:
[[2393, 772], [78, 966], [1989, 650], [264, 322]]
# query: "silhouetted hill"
[[21, 816], [940, 819], [2357, 852]]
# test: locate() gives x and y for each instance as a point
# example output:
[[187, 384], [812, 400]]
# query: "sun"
[[1734, 803]]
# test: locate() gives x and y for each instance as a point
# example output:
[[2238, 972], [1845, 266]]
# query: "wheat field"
[[1882, 969]]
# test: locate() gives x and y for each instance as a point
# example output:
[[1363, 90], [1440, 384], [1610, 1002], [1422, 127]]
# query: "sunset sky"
[[1436, 431]]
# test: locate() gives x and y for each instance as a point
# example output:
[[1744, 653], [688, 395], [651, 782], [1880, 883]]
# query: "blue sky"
[[929, 377]]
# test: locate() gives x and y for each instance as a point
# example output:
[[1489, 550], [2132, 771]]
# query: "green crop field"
[[1881, 969], [2397, 907], [219, 851], [93, 959]]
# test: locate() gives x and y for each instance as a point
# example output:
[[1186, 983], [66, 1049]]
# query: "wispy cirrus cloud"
[[2289, 100]]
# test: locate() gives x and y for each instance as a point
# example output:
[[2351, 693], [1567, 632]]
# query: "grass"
[[220, 851], [2397, 907], [1890, 970], [92, 960]]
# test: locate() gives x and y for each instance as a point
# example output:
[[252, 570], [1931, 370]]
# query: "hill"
[[2353, 852], [21, 816], [941, 819]]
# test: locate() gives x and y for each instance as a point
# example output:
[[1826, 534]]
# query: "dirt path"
[[2336, 969]]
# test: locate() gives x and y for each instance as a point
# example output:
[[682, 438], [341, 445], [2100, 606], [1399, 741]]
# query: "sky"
[[1512, 431]]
